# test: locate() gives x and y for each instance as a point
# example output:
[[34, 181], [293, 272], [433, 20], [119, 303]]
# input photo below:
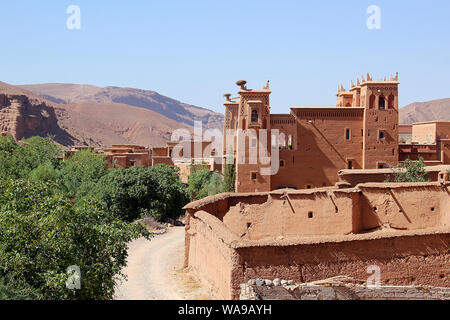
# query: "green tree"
[[17, 160], [43, 233], [82, 171], [216, 184], [138, 192], [202, 183], [14, 288], [229, 175], [411, 171], [46, 172], [198, 181]]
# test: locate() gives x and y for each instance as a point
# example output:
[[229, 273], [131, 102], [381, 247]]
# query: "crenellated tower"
[[380, 100], [253, 115]]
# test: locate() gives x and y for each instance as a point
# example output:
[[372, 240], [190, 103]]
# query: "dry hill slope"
[[25, 114], [103, 124], [150, 100], [425, 111]]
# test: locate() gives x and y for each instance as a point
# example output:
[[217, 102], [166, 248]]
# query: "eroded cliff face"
[[23, 117]]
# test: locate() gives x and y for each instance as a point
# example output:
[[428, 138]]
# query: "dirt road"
[[155, 271]]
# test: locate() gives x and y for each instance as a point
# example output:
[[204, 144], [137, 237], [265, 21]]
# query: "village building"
[[361, 132], [430, 141]]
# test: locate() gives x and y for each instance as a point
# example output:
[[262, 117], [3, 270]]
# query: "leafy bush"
[[82, 171], [43, 233], [410, 171], [17, 160], [138, 192], [229, 178], [14, 288], [202, 183]]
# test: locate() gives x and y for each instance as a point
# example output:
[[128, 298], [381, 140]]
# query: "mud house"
[[309, 235]]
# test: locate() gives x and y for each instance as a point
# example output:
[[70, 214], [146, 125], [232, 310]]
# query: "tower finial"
[[368, 77], [352, 84], [227, 96], [267, 84], [357, 82], [362, 79], [242, 84], [396, 76]]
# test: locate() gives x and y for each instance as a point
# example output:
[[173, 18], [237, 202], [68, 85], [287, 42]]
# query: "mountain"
[[146, 99], [99, 124], [425, 111]]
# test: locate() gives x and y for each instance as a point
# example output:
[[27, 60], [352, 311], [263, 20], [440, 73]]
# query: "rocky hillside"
[[146, 99], [425, 111], [25, 114]]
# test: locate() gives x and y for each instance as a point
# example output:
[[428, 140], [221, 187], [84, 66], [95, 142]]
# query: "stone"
[[276, 282], [284, 282], [268, 282], [259, 282]]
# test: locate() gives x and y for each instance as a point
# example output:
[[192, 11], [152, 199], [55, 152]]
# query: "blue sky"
[[194, 51]]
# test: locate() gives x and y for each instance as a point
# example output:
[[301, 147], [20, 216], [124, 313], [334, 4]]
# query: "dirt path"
[[155, 271]]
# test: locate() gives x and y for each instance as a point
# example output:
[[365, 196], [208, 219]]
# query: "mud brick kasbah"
[[338, 222], [361, 132]]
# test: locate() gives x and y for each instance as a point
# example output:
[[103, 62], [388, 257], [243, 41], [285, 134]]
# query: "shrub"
[[18, 160], [411, 171], [138, 192], [202, 183], [82, 171], [43, 233]]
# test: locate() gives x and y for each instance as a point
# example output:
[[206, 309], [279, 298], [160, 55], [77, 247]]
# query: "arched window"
[[254, 116], [381, 103], [372, 102], [391, 100], [243, 124]]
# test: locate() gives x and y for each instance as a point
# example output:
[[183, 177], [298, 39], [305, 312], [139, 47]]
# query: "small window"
[[381, 134], [347, 134], [310, 215], [381, 104], [308, 186], [380, 166], [362, 132], [282, 163], [254, 116], [253, 175], [350, 165]]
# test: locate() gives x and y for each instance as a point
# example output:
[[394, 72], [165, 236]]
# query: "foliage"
[[198, 182], [43, 233], [138, 192], [17, 160], [202, 183], [82, 171], [14, 288], [410, 171], [229, 175], [46, 172]]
